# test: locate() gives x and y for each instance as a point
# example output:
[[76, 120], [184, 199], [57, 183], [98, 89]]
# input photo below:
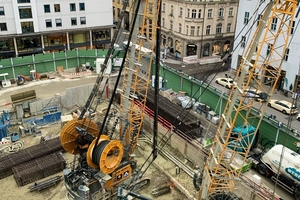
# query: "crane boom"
[[255, 70]]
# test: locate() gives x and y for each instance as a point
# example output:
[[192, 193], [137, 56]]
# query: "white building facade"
[[37, 26], [289, 79]]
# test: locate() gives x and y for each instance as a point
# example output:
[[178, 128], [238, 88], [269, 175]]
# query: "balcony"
[[195, 20]]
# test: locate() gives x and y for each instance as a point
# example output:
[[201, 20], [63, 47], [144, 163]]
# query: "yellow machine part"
[[108, 154], [69, 135], [118, 176]]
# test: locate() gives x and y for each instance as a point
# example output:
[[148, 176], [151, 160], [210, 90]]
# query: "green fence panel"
[[44, 67], [83, 53], [61, 63], [59, 55], [43, 57], [6, 70], [22, 61], [72, 62], [22, 70], [72, 53]]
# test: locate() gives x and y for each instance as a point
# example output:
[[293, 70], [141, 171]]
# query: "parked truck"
[[281, 162]]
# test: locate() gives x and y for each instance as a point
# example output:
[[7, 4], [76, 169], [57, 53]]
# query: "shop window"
[[48, 23], [47, 8]]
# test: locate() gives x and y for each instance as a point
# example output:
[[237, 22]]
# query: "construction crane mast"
[[106, 157], [256, 70]]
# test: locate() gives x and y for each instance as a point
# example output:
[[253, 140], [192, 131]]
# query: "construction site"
[[112, 131]]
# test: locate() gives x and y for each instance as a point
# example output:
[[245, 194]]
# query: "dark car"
[[257, 95]]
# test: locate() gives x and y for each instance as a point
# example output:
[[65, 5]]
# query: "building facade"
[[198, 27], [193, 27], [248, 19], [38, 26]]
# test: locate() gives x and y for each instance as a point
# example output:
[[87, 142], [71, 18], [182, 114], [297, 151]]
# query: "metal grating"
[[44, 148], [38, 168]]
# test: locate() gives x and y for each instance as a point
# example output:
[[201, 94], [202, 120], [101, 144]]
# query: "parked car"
[[298, 117], [226, 82], [257, 95], [284, 106]]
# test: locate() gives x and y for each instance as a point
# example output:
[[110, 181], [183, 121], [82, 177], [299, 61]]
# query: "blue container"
[[14, 136], [3, 132]]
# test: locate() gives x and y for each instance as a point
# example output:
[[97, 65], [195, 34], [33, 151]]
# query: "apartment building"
[[194, 27], [38, 26], [249, 14]]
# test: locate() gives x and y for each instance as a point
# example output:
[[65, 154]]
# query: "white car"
[[226, 82], [284, 106], [298, 117]]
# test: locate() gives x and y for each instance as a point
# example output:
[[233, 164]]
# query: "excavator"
[[104, 151], [222, 167]]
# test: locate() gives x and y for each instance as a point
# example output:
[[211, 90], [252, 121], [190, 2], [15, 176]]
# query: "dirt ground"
[[157, 178]]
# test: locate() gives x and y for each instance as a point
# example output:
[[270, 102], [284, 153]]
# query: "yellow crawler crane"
[[255, 70]]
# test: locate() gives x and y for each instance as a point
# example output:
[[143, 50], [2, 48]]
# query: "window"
[[180, 12], [258, 18], [2, 10], [293, 27], [179, 28], [23, 1], [192, 30], [209, 13], [199, 13], [243, 41], [221, 12], [171, 25], [82, 20], [48, 23], [269, 49], [58, 22], [198, 30], [163, 8], [25, 12], [73, 21], [194, 13], [246, 18], [286, 56], [172, 10], [274, 24], [219, 28], [208, 30], [228, 28], [230, 13], [187, 30], [56, 7], [188, 13], [46, 8], [163, 21], [72, 7], [81, 6], [3, 27]]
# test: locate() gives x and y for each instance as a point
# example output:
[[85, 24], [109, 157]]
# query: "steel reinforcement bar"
[[44, 148]]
